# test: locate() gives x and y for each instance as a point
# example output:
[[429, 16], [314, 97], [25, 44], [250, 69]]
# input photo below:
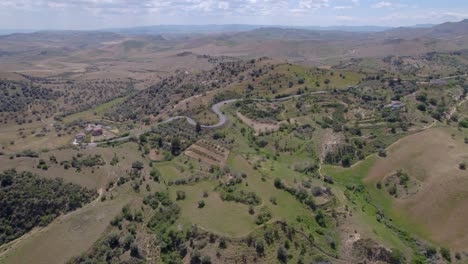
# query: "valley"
[[269, 145]]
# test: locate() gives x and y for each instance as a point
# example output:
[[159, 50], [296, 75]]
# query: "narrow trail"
[[454, 109]]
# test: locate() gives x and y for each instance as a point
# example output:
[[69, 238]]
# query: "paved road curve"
[[216, 108]]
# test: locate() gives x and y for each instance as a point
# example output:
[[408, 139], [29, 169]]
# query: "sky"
[[99, 14]]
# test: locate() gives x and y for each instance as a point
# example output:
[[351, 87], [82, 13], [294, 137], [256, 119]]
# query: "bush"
[[195, 257], [463, 123], [260, 246], [397, 257], [113, 240], [222, 243], [462, 166], [379, 185], [320, 219], [282, 254], [278, 183], [180, 195], [206, 260], [137, 165], [264, 216], [201, 204], [445, 252], [134, 252], [422, 107], [382, 153]]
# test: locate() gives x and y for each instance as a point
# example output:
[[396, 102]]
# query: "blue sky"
[[94, 14]]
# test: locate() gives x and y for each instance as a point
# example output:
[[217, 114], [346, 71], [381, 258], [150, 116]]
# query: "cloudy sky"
[[94, 14]]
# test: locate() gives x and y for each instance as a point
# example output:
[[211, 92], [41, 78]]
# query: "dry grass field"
[[67, 236], [258, 127], [209, 153], [440, 205], [95, 177]]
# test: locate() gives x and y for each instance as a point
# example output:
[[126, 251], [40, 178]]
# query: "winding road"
[[216, 108]]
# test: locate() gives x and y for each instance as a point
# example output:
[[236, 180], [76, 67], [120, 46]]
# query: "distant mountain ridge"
[[185, 29], [216, 28]]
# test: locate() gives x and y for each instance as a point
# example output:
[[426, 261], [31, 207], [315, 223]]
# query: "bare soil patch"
[[155, 155]]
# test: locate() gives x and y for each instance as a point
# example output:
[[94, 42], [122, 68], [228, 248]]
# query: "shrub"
[[206, 260], [260, 246], [445, 252], [462, 166], [463, 123], [382, 153], [422, 107], [113, 240], [379, 185], [201, 204], [264, 216], [137, 165], [282, 254], [180, 195], [320, 219], [134, 252], [222, 243], [278, 183], [396, 257], [195, 256]]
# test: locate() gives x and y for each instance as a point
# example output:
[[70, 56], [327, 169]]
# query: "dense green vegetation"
[[28, 201]]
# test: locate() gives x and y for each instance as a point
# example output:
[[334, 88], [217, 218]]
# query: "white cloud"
[[78, 14], [342, 7], [382, 4], [313, 4]]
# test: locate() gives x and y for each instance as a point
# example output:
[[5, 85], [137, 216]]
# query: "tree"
[[134, 252], [195, 257], [175, 146], [155, 174], [463, 123], [422, 107], [198, 128], [396, 257], [445, 252], [320, 219], [113, 240], [137, 165], [282, 254], [206, 260], [222, 243], [180, 195], [382, 153], [115, 160], [260, 246], [201, 204], [462, 166], [278, 183]]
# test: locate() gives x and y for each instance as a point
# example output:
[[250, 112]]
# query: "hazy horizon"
[[212, 25], [103, 14]]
